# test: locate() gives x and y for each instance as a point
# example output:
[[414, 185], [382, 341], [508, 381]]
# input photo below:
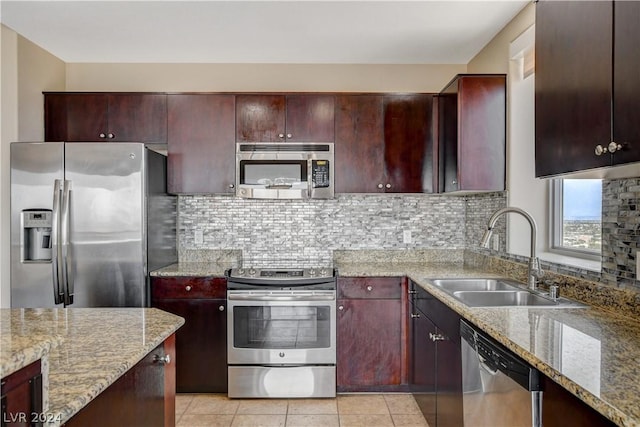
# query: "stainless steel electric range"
[[281, 332]]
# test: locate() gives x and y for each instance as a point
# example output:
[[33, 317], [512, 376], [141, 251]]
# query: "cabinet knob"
[[232, 186], [599, 150], [369, 288], [380, 186], [415, 315], [289, 136], [436, 337], [341, 307], [614, 146], [102, 135], [221, 308], [387, 186], [187, 288], [163, 360], [110, 136], [454, 182], [281, 135]]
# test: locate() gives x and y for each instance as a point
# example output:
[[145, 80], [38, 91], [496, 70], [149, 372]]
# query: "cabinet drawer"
[[188, 287], [370, 288]]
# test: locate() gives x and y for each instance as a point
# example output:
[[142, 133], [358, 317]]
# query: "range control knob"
[[252, 272], [312, 272], [241, 271]]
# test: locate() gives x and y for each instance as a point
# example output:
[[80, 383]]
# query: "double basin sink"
[[492, 292]]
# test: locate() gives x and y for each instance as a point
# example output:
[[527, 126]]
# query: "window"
[[577, 217]]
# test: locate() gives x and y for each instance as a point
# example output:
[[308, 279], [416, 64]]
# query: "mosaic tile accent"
[[310, 230], [620, 231]]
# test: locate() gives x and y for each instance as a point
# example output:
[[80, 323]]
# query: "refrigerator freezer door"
[[106, 257], [34, 169]]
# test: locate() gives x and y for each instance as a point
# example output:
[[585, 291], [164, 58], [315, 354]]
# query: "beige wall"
[[27, 70], [259, 77], [494, 57], [38, 71], [8, 132]]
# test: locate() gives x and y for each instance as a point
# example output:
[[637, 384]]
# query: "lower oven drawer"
[[282, 381]]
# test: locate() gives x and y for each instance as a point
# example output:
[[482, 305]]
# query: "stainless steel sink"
[[502, 299], [498, 292], [453, 285]]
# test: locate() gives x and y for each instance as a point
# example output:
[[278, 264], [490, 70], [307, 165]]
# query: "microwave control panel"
[[320, 173]]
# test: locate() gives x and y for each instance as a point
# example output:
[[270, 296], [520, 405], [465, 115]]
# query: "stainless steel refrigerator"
[[89, 221]]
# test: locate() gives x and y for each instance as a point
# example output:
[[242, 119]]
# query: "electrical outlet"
[[199, 236], [495, 243], [406, 236]]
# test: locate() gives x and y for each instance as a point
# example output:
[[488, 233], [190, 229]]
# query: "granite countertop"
[[90, 348], [593, 353]]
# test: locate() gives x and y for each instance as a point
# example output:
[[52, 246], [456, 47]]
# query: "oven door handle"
[[281, 297]]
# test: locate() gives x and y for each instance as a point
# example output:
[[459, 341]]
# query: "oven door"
[[281, 327]]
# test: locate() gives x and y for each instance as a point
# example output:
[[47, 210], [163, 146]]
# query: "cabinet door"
[[359, 146], [423, 365], [260, 118], [408, 143], [137, 118], [626, 99], [559, 405], [310, 118], [201, 344], [21, 396], [76, 117], [369, 344], [201, 143], [573, 85]]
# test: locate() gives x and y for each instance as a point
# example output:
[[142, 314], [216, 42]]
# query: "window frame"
[[556, 210]]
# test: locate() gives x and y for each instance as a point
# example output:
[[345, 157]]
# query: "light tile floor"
[[348, 410]]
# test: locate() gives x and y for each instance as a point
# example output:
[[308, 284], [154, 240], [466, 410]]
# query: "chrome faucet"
[[534, 271]]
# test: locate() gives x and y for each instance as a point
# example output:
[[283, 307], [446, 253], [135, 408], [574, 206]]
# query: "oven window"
[[281, 327], [273, 172]]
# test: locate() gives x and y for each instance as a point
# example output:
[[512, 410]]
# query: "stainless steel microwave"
[[272, 170]]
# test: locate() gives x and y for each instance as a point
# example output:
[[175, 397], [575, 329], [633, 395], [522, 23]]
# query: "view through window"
[[578, 215]]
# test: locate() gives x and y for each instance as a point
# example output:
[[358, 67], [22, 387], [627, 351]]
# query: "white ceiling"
[[330, 32]]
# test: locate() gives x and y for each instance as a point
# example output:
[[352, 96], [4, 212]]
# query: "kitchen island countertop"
[[88, 348]]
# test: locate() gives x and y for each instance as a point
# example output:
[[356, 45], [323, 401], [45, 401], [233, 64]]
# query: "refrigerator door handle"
[[55, 235], [67, 259]]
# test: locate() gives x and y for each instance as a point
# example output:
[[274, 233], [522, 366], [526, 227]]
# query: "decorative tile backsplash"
[[620, 231], [310, 230]]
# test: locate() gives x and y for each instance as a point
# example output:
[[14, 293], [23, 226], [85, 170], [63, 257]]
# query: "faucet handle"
[[553, 292]]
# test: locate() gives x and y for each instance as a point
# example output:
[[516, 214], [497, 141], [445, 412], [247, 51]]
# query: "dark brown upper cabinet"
[[472, 133], [384, 143], [200, 143], [587, 88], [105, 117], [285, 118]]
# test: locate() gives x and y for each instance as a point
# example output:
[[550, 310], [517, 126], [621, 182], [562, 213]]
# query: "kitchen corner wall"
[[308, 231]]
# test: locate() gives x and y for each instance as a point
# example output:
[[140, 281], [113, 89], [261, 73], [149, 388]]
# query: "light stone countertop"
[[95, 346], [593, 353]]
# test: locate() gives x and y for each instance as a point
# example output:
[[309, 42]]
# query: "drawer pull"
[[369, 288], [221, 308], [415, 315], [187, 288], [163, 360]]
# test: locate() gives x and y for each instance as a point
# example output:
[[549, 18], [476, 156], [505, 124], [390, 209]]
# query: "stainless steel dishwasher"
[[499, 388]]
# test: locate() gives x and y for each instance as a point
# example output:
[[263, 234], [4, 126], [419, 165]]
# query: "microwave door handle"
[[55, 247], [67, 260]]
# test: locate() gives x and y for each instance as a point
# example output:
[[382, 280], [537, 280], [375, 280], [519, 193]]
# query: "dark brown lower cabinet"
[[436, 359], [201, 343], [143, 396], [21, 397], [560, 408], [371, 334]]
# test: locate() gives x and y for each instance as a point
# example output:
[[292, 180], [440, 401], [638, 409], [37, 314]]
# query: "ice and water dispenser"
[[36, 235]]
